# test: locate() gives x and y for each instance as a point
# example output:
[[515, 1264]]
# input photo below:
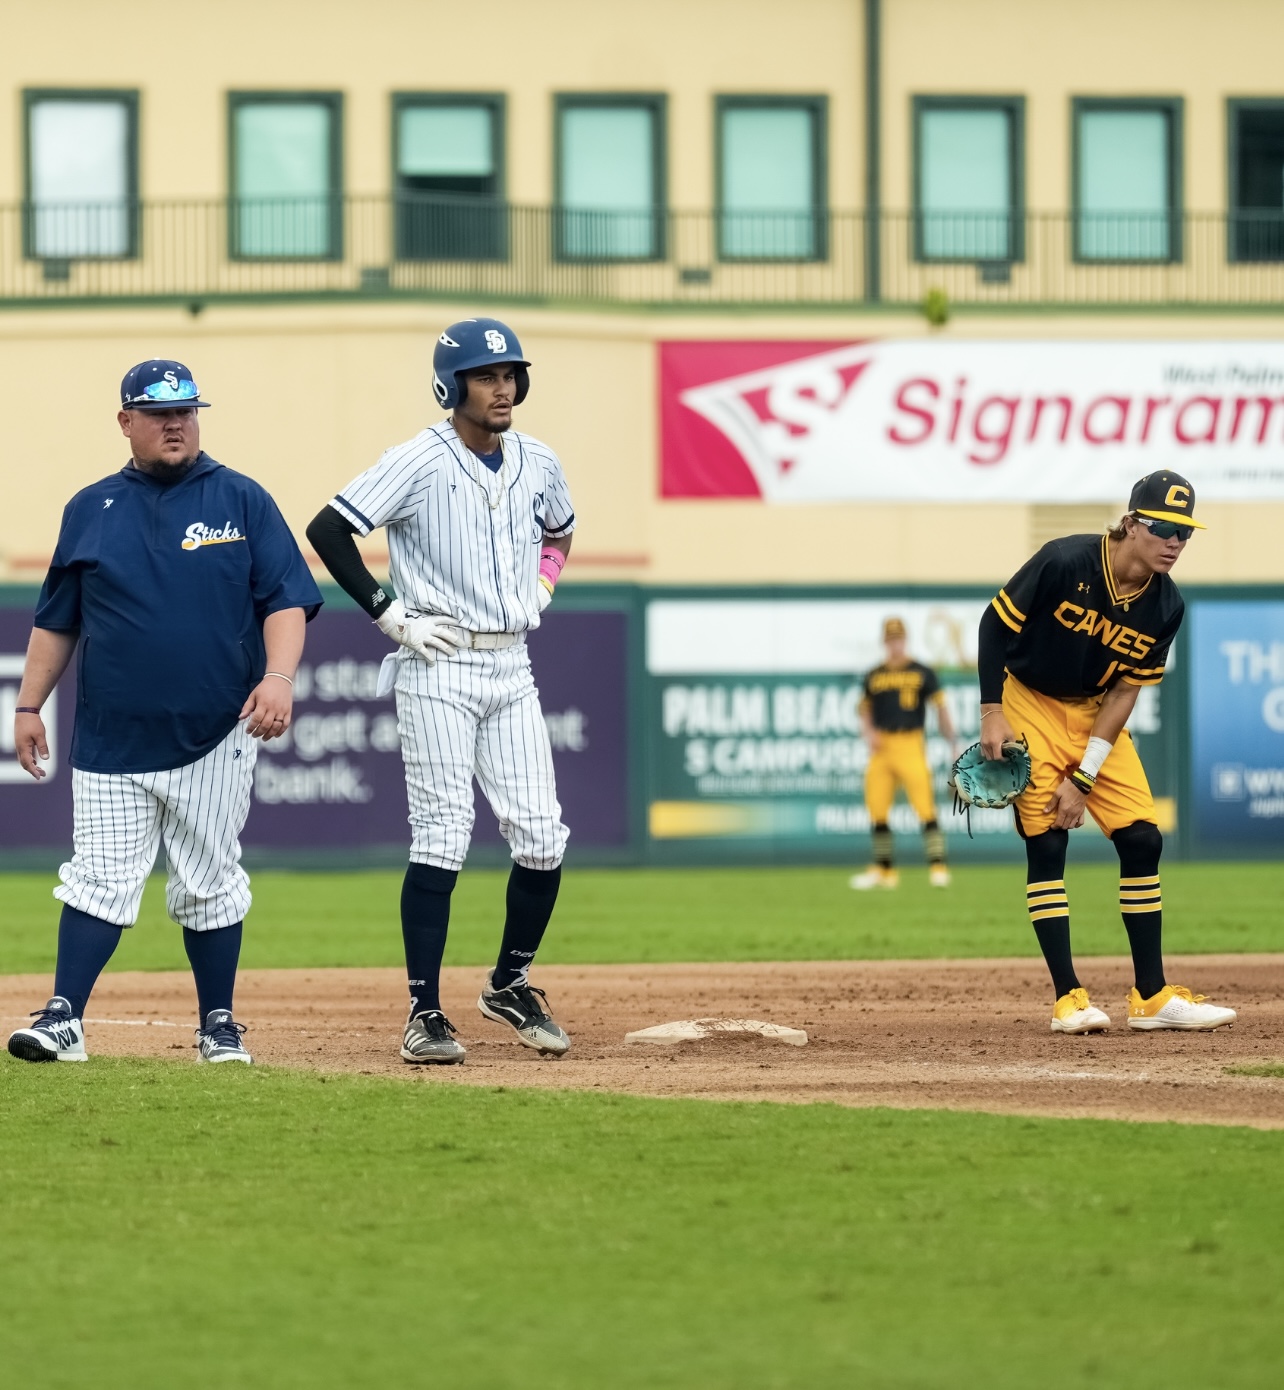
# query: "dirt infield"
[[967, 1035]]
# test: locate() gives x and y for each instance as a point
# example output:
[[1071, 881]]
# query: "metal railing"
[[473, 248]]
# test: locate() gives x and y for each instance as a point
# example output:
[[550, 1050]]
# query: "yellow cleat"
[[938, 876], [1177, 1009], [1075, 1013], [875, 877]]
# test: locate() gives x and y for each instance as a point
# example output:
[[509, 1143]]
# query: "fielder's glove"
[[425, 634], [975, 781]]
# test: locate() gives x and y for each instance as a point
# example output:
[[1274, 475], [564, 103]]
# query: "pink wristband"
[[550, 567]]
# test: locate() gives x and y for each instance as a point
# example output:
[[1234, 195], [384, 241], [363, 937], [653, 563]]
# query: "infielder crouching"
[[187, 596], [479, 524]]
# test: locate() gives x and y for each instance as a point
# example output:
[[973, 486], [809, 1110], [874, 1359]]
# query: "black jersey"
[[896, 696], [1076, 634]]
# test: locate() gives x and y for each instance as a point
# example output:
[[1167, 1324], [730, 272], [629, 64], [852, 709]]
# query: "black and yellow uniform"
[[1071, 635], [896, 700]]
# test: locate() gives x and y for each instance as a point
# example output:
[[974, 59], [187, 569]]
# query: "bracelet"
[[26, 709], [989, 712], [1083, 781], [279, 677]]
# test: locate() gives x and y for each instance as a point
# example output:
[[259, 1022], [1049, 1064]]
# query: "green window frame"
[[1255, 230], [1119, 235], [445, 224], [59, 231], [285, 226], [799, 233], [974, 234], [611, 234]]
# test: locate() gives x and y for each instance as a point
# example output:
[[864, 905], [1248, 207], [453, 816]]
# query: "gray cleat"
[[55, 1036], [428, 1038], [518, 1007]]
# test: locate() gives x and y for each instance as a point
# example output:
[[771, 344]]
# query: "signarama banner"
[[946, 420]]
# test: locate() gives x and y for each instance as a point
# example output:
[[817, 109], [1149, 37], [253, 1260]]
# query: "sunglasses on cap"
[[157, 391], [1166, 530]]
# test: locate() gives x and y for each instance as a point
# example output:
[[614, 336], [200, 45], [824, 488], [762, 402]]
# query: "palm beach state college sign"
[[953, 421]]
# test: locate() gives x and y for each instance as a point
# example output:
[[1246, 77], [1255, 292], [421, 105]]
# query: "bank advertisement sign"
[[944, 420], [334, 782], [1237, 724]]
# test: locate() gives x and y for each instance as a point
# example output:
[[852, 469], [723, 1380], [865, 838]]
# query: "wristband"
[[26, 709], [1083, 781], [1097, 751], [551, 563], [281, 677]]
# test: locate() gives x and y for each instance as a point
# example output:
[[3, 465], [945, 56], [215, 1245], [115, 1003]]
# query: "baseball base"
[[692, 1030]]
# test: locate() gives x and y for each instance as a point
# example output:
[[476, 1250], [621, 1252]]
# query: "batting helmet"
[[475, 343]]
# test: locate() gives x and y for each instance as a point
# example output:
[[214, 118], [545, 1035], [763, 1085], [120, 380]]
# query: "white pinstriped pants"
[[197, 812], [477, 713]]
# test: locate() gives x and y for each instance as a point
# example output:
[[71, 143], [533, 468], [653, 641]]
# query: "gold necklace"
[[497, 498]]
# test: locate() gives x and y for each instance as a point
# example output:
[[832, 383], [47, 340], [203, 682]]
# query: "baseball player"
[[893, 712], [1065, 647], [479, 524], [187, 596]]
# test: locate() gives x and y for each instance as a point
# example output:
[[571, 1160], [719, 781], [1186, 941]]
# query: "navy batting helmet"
[[475, 343]]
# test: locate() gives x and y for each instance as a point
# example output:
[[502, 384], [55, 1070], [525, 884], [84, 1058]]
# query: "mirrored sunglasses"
[[165, 391], [1166, 530]]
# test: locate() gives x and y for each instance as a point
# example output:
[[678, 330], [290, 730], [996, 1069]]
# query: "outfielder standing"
[[893, 713], [479, 524], [187, 596], [1065, 648]]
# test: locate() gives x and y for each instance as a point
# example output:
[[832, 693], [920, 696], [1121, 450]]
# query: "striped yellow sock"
[[1047, 899], [1140, 894]]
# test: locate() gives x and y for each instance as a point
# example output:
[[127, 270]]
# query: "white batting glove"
[[425, 634], [545, 597]]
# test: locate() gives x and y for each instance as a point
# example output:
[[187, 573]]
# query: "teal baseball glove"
[[975, 781]]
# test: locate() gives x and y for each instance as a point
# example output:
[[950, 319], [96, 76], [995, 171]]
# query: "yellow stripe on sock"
[[1062, 911], [1156, 906], [1047, 883], [1138, 882]]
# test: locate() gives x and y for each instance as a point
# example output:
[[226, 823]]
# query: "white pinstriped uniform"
[[197, 812], [465, 542]]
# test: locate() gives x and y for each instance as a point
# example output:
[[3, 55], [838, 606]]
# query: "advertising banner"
[[949, 421], [755, 733], [1237, 724], [334, 782]]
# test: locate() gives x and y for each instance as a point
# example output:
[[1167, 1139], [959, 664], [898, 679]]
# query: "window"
[[1127, 203], [771, 178], [448, 171], [968, 158], [286, 178], [610, 178], [82, 174], [1256, 180]]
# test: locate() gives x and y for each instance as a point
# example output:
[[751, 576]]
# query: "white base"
[[693, 1029]]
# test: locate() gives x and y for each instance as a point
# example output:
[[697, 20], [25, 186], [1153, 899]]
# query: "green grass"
[[166, 1225], [627, 915], [1258, 1069]]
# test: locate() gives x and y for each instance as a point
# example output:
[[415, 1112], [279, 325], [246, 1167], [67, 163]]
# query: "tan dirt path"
[[964, 1035]]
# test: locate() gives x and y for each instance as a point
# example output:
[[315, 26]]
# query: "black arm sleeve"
[[991, 655], [331, 536]]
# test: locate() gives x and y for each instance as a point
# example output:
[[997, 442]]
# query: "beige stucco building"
[[294, 199]]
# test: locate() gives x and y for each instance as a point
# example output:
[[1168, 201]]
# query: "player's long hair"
[[1119, 530]]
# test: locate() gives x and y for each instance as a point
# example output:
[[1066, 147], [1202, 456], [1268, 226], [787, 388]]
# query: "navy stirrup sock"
[[531, 896], [85, 945], [214, 956], [425, 919]]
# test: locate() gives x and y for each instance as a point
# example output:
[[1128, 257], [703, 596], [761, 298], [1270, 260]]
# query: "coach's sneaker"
[[1076, 1013], [520, 1009], [54, 1037], [220, 1039], [1176, 1008], [875, 877], [938, 876], [428, 1039]]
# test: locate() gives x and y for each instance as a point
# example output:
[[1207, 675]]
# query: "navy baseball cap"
[[159, 384]]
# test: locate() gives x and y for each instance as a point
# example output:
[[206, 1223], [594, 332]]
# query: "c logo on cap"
[[1174, 500]]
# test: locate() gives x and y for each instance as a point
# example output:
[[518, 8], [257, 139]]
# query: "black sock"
[[214, 956], [1045, 897], [85, 945], [882, 844], [1139, 846], [531, 895], [425, 919], [934, 842]]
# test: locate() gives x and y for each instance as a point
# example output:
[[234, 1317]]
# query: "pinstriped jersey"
[[464, 541], [1076, 632]]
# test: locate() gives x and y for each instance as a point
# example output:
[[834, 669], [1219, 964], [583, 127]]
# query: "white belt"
[[492, 641], [477, 642]]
